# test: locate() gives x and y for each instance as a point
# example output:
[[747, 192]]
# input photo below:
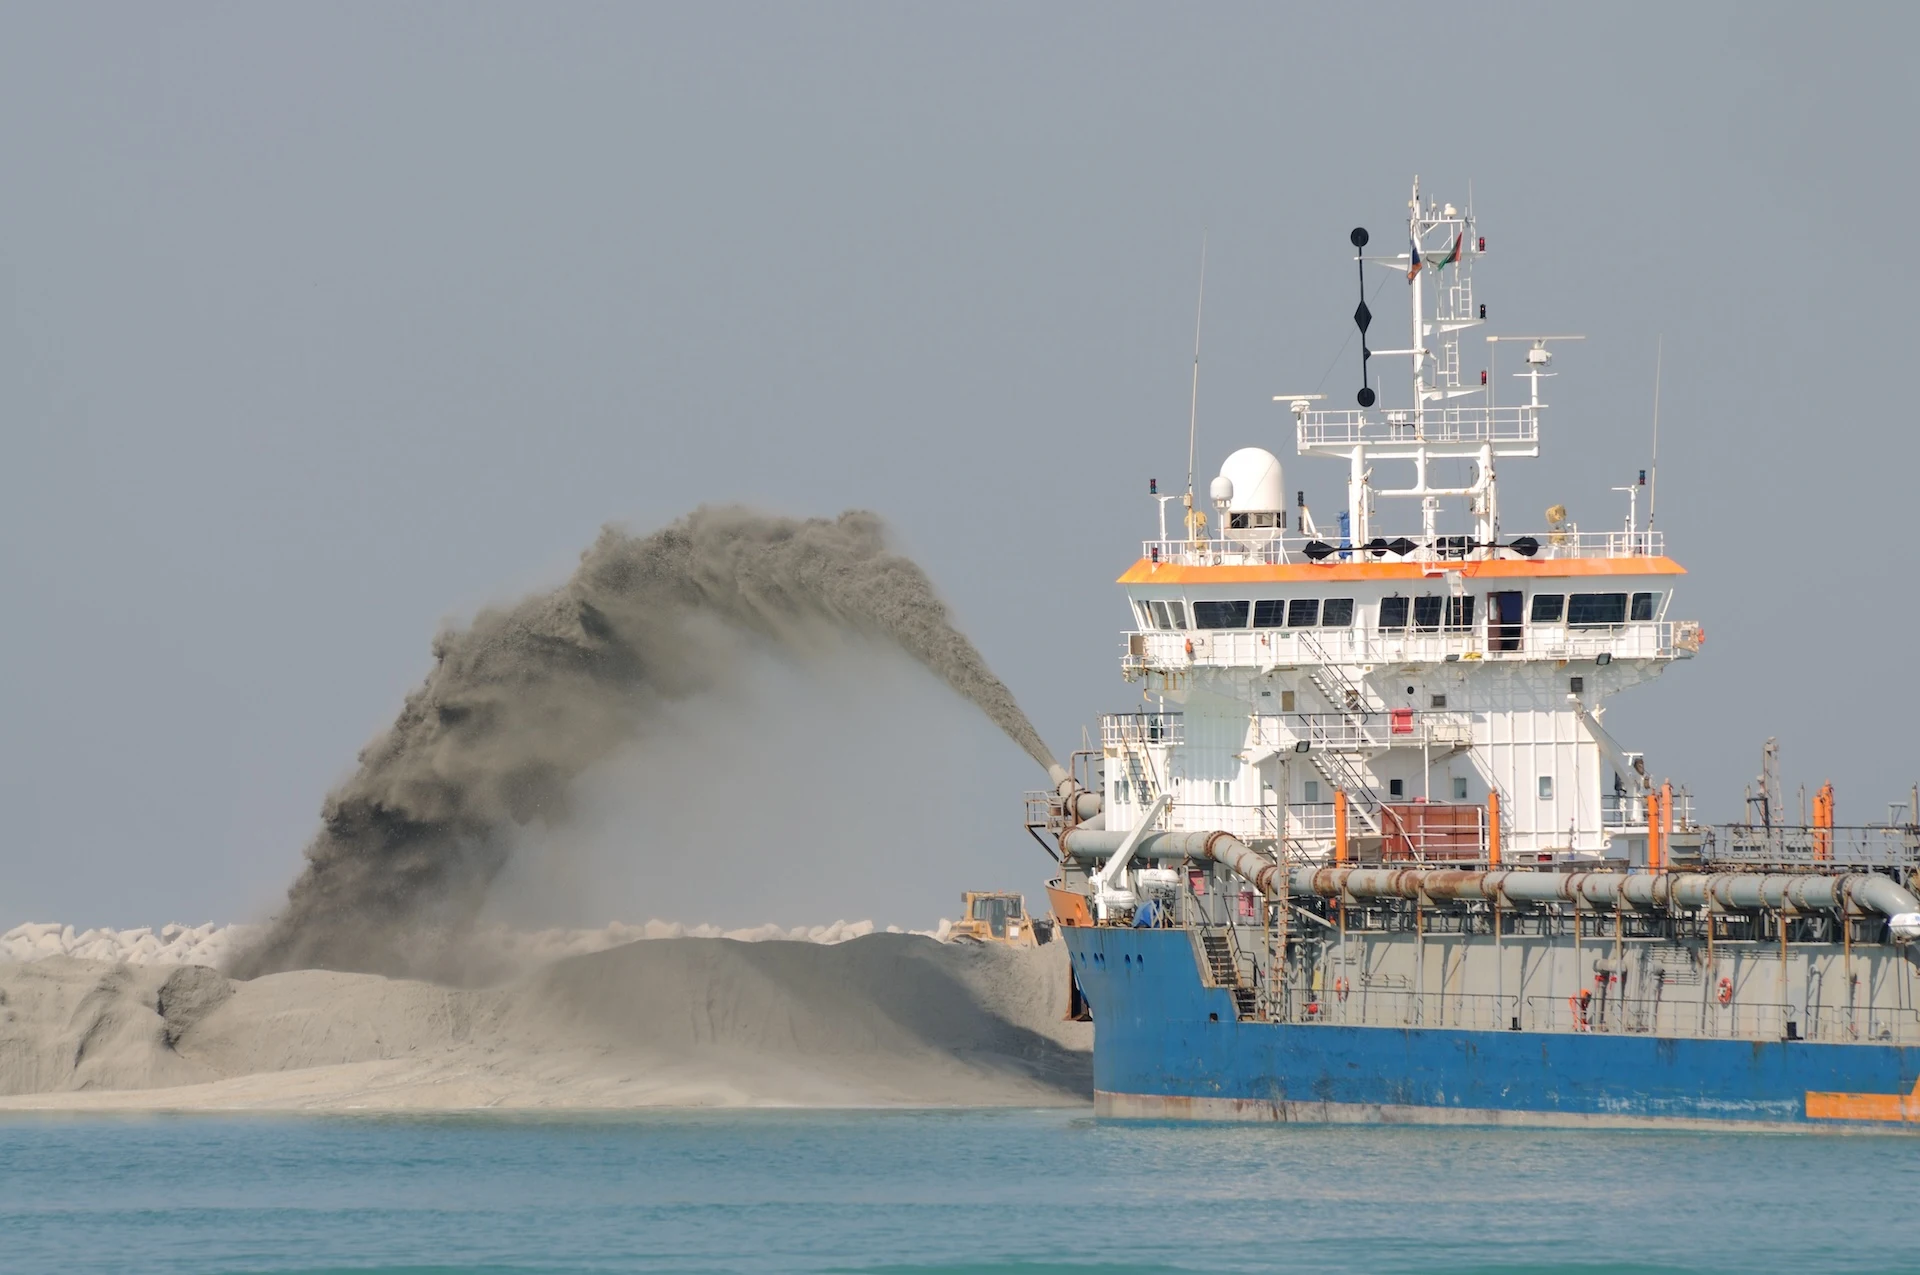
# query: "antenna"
[[1653, 477], [1362, 317], [1193, 405]]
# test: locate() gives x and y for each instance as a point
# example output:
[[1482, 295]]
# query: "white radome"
[[1257, 497]]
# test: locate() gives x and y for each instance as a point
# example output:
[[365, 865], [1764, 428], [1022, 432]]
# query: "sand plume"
[[523, 700]]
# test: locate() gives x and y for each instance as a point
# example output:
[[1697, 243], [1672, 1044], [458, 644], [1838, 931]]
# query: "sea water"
[[933, 1191]]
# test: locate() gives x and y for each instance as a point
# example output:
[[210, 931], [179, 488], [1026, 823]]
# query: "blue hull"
[[1168, 1046]]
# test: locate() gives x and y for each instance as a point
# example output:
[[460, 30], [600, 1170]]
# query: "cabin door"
[[1504, 620]]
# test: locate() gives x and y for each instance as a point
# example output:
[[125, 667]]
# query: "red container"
[[1431, 830]]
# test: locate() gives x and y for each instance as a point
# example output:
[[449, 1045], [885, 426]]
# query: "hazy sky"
[[322, 325]]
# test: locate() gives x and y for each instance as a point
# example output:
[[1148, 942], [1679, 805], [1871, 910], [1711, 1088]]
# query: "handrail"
[[1267, 549]]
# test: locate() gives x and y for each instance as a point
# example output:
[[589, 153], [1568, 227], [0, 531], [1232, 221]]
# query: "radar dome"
[[1254, 473], [1257, 503], [1221, 490]]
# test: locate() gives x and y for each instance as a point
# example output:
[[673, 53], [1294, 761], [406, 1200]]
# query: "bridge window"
[[1643, 606], [1547, 607], [1460, 612], [1178, 610], [1393, 614], [1160, 620], [1221, 615], [1596, 610], [1336, 613], [1269, 613], [1426, 612], [1303, 613]]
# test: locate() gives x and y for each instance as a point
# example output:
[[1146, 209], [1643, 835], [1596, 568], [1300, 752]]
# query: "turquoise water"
[[995, 1191]]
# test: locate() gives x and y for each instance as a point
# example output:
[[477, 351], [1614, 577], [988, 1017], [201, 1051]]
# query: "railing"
[[1255, 548], [1630, 810], [1751, 847], [1268, 648], [1437, 426], [1362, 730], [1119, 730]]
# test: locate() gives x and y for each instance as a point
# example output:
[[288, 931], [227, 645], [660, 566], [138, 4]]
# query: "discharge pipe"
[[1643, 891], [1080, 803]]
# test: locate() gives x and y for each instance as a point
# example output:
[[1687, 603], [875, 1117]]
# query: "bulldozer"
[[992, 916]]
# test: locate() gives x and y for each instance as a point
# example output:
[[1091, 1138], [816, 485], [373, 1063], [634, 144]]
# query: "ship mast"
[[1449, 417]]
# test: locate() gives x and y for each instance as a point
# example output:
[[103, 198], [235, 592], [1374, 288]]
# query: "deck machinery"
[[1368, 851]]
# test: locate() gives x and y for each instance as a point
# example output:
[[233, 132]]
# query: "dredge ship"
[[1369, 852]]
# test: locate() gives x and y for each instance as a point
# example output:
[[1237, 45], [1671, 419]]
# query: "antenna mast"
[[1653, 477], [1196, 518]]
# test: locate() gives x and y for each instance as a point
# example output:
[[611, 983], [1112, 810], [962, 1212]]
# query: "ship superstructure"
[[1368, 839]]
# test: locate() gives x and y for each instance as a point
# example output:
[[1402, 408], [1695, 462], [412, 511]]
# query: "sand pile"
[[880, 1019], [501, 947]]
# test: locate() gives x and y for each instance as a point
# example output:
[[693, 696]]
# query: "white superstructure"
[[1409, 680]]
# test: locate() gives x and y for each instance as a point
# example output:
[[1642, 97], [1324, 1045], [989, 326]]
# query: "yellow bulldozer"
[[993, 916]]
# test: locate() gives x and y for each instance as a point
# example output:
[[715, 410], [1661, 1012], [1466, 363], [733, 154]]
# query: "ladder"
[[1223, 970], [1347, 700]]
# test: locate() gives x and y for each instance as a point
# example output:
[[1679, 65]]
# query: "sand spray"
[[525, 699]]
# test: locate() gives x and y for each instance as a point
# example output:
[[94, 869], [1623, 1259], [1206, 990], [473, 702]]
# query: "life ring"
[[1340, 988], [1189, 648], [1725, 993]]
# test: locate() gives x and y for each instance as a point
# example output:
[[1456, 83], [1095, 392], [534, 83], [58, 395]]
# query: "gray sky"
[[322, 325]]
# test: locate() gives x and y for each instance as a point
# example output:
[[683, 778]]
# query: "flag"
[[1441, 264]]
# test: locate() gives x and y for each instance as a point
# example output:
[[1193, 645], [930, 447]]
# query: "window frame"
[[1245, 612], [1273, 621], [1559, 615], [1405, 608], [1437, 610], [1294, 606], [1602, 622]]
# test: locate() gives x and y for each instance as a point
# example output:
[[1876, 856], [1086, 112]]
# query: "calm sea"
[[1007, 1192]]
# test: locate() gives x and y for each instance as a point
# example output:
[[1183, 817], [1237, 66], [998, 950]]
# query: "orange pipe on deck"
[[1339, 825], [1666, 822], [1493, 828], [1656, 839]]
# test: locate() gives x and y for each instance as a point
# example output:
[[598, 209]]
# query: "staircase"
[[1349, 702], [1224, 971]]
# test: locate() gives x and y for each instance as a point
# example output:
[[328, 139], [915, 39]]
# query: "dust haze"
[[805, 790], [651, 640]]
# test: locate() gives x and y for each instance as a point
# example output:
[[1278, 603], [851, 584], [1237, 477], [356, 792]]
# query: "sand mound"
[[497, 950], [881, 1019]]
